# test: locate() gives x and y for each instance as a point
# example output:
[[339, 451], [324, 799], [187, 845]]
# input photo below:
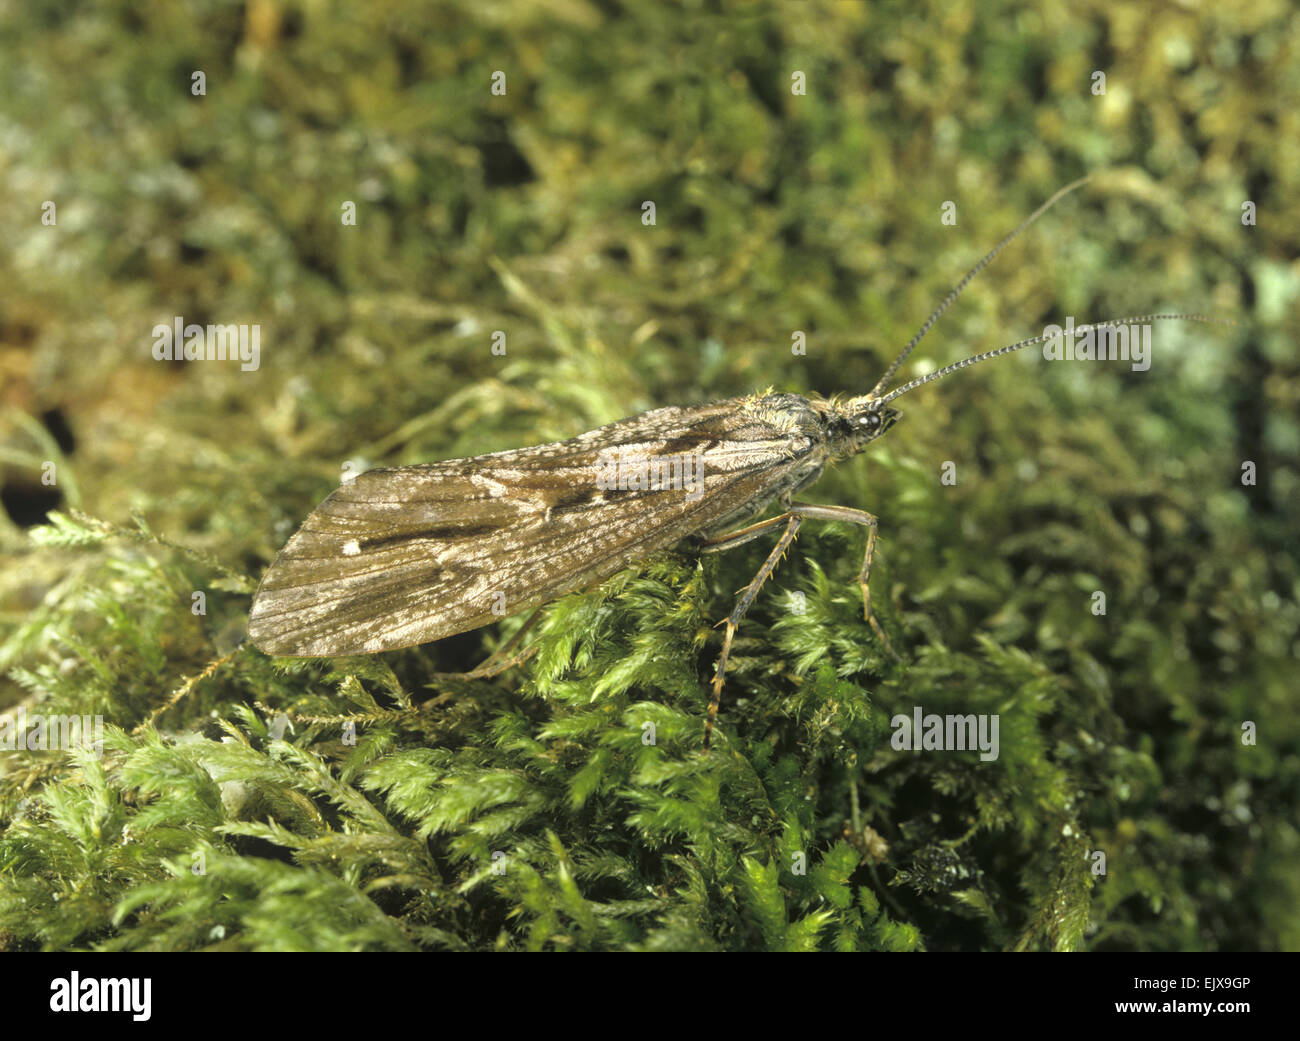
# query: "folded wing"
[[402, 556]]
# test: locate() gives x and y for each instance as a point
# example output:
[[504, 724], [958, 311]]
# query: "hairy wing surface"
[[402, 556]]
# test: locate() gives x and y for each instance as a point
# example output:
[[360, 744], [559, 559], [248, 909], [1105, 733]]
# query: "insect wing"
[[399, 557]]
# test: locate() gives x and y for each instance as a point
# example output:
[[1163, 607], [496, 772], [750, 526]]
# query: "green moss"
[[375, 803]]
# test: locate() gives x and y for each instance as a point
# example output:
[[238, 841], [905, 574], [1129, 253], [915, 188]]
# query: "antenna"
[[970, 275], [1078, 329]]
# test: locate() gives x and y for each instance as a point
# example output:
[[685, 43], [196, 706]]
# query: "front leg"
[[870, 522], [792, 518]]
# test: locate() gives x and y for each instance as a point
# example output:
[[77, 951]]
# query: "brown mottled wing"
[[399, 557]]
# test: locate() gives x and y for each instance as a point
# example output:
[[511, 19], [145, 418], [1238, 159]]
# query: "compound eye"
[[871, 421]]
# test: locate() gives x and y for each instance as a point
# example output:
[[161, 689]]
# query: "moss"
[[375, 803]]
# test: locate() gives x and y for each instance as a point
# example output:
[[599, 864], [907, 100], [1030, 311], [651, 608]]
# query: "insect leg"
[[867, 520], [746, 598], [741, 535], [494, 665]]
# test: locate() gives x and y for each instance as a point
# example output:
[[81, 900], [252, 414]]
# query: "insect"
[[398, 557]]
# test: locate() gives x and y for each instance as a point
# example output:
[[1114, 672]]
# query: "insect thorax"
[[789, 418]]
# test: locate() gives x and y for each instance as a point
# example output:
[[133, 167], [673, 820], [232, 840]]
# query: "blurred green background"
[[776, 212]]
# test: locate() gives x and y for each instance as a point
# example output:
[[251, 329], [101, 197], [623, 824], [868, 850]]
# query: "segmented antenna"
[[956, 292], [1078, 329]]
